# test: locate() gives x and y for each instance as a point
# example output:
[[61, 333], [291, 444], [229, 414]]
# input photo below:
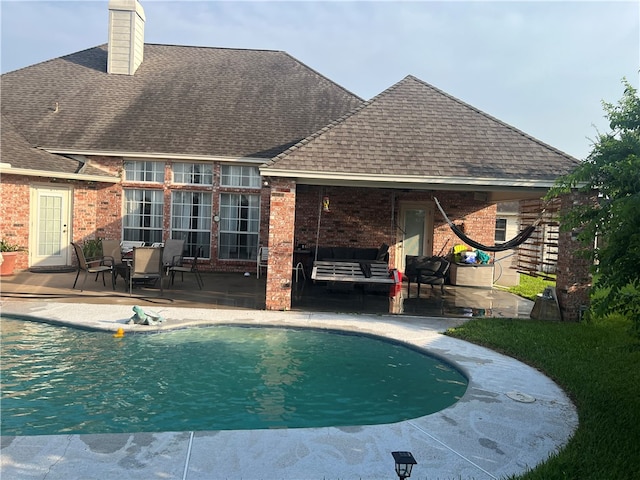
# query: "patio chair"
[[426, 270], [146, 266], [173, 251], [263, 256], [127, 246], [299, 268], [89, 267], [112, 255], [192, 268]]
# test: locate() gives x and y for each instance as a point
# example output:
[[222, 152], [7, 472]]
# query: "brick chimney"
[[126, 36]]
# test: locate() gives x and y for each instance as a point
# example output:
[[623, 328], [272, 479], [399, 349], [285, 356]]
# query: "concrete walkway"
[[510, 419]]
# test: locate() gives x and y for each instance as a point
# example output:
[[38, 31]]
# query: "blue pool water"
[[62, 380]]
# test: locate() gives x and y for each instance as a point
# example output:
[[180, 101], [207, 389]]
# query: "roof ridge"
[[333, 124], [9, 127], [209, 47], [314, 135], [493, 119], [320, 74]]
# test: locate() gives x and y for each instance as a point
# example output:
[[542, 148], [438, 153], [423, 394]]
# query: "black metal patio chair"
[[181, 267], [96, 266], [426, 270]]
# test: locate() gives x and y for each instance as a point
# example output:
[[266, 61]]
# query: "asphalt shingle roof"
[[17, 152], [415, 129], [182, 100], [263, 104]]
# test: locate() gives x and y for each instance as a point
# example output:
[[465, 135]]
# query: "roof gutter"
[[406, 181], [7, 169]]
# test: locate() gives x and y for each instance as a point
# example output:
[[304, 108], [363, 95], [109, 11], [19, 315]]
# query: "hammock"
[[508, 245]]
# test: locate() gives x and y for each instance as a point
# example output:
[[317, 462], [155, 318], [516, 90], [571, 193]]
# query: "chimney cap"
[[129, 5]]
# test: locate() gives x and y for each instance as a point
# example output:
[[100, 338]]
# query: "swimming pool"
[[63, 380]]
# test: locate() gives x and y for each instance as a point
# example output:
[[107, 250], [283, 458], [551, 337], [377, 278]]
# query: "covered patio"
[[236, 291], [375, 176]]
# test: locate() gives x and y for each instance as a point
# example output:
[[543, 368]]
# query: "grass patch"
[[598, 366], [530, 286]]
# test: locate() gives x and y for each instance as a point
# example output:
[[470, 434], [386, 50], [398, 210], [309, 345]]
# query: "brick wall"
[[573, 277], [474, 216], [14, 215], [84, 213], [364, 217], [97, 211], [281, 227], [107, 202], [357, 217]]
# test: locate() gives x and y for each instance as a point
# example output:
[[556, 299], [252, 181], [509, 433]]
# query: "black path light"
[[404, 464]]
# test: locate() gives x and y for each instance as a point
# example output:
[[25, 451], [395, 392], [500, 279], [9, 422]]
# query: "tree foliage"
[[612, 171]]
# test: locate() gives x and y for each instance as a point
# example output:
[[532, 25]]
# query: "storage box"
[[467, 275]]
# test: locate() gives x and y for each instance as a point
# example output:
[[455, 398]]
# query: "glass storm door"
[[51, 219], [416, 231]]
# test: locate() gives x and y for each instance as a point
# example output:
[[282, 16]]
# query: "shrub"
[[5, 246]]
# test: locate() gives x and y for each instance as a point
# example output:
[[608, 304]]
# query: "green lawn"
[[530, 286], [598, 365]]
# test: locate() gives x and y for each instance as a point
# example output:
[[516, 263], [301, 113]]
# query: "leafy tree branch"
[[611, 174]]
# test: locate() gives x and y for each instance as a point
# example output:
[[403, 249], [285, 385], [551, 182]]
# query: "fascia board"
[[8, 170], [156, 155], [406, 181]]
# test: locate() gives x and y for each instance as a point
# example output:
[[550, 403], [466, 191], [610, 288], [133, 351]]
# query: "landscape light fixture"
[[404, 464]]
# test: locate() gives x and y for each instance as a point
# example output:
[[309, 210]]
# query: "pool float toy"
[[119, 333], [141, 317]]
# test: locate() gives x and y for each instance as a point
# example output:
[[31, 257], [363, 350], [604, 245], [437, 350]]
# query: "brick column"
[[281, 232], [573, 281]]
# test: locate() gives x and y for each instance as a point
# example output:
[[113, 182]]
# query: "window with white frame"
[[501, 229], [240, 176], [193, 173], [191, 220], [143, 214], [239, 226], [139, 171]]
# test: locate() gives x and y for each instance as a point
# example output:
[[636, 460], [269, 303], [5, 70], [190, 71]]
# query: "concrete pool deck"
[[510, 419]]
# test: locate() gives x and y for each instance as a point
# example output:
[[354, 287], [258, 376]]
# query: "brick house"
[[232, 149]]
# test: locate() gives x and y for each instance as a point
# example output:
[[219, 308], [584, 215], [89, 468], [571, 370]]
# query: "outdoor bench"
[[364, 272]]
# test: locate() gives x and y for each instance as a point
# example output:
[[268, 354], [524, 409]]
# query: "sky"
[[544, 67]]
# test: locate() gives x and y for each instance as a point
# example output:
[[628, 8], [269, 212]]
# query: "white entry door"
[[415, 236], [50, 226]]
